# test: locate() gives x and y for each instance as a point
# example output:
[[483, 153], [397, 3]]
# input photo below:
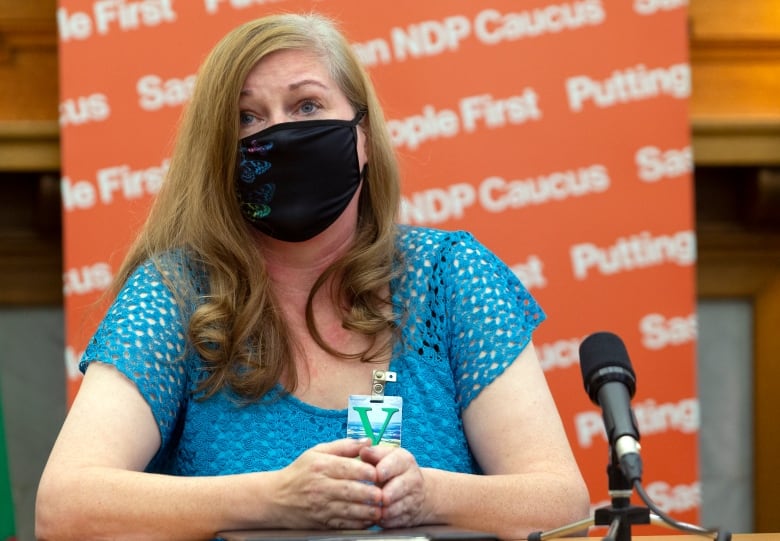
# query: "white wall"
[[32, 372], [725, 368]]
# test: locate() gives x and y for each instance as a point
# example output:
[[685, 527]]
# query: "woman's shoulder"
[[175, 267], [175, 275], [427, 240]]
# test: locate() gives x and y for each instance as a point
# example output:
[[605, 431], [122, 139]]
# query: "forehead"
[[287, 65]]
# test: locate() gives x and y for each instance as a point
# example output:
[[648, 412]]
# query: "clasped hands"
[[327, 487]]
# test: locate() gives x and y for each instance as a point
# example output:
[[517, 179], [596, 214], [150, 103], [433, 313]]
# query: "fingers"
[[403, 500], [348, 468], [334, 490], [346, 447], [328, 487], [403, 486], [389, 461], [343, 504]]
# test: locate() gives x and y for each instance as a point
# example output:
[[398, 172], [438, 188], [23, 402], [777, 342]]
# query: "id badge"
[[380, 421]]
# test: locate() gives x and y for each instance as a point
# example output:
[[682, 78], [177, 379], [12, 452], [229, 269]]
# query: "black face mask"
[[295, 179]]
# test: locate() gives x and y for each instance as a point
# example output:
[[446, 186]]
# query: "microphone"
[[611, 383]]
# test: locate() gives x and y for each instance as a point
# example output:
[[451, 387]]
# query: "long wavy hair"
[[237, 327]]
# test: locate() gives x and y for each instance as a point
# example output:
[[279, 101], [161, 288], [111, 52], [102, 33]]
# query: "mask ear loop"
[[359, 116]]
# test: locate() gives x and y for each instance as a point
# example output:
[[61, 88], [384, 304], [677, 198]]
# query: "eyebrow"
[[293, 86], [296, 86]]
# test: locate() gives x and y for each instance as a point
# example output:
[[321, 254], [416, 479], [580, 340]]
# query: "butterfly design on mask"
[[250, 167]]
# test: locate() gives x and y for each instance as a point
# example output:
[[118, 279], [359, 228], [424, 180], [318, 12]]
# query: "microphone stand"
[[620, 515]]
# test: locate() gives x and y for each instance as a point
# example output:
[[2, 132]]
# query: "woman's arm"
[[94, 487], [532, 480]]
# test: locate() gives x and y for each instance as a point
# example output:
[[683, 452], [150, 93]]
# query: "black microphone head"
[[604, 359]]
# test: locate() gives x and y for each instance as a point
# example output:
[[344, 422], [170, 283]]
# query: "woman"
[[267, 286]]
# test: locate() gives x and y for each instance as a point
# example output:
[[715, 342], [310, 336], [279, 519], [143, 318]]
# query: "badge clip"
[[379, 379]]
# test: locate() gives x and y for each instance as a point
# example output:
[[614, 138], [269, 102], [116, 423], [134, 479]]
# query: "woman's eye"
[[246, 118], [308, 107]]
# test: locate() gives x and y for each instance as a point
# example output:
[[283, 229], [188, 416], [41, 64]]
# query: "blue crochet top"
[[467, 318]]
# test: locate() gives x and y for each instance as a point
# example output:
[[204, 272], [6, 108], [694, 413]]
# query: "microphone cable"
[[716, 533]]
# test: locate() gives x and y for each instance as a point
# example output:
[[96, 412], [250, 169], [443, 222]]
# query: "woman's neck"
[[294, 267]]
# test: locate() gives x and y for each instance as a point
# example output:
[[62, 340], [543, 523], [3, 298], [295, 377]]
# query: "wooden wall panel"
[[26, 10], [29, 86], [735, 20], [28, 63], [28, 82], [735, 65], [766, 427], [735, 110], [736, 89]]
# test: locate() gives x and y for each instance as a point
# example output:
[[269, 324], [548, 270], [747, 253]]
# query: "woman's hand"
[[327, 487], [403, 486]]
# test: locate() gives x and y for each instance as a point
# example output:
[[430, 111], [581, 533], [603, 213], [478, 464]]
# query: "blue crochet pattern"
[[467, 319]]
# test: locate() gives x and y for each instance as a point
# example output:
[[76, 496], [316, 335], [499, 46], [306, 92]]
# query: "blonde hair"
[[237, 327]]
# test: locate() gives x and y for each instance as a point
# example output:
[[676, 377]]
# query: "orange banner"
[[555, 131]]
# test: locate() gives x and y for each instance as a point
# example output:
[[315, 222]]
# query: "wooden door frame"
[[748, 267]]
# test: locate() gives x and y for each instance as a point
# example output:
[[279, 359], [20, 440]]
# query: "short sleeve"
[[491, 315], [143, 336]]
